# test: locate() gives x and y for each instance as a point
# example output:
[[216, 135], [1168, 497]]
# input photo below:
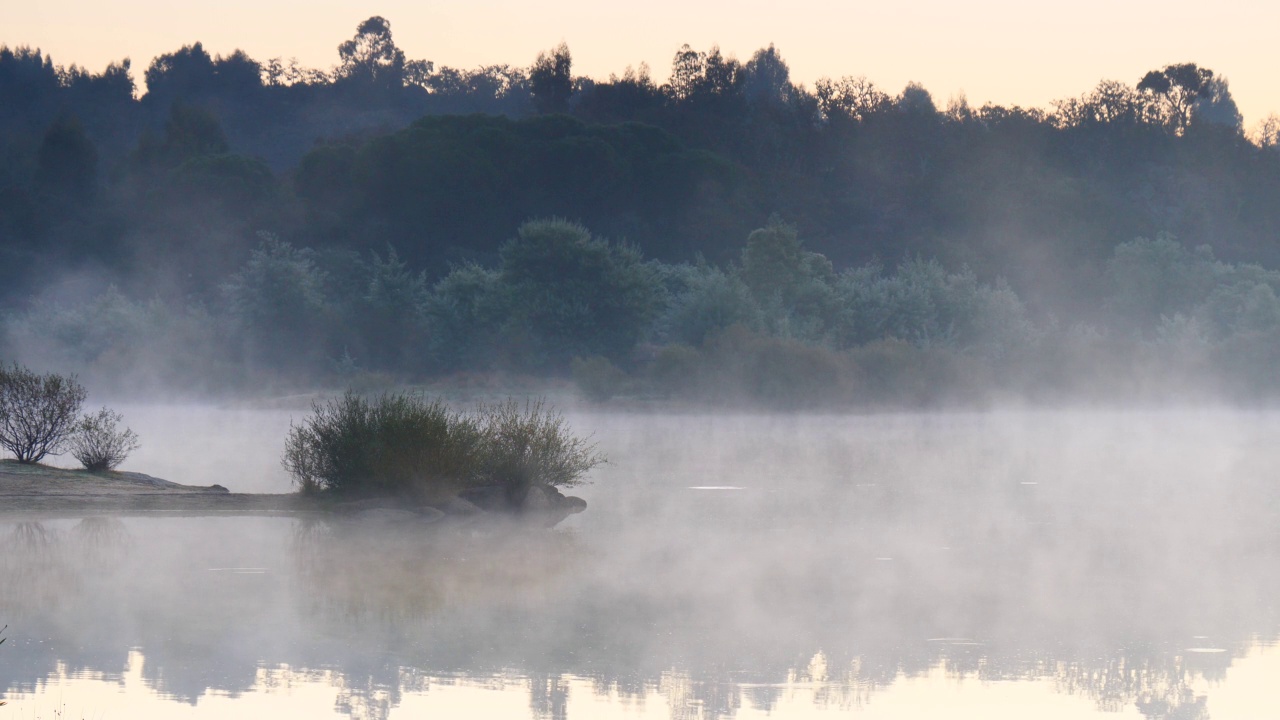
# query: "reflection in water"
[[871, 558]]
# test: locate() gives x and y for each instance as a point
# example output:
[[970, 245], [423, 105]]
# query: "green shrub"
[[529, 444], [398, 444], [37, 412], [675, 370], [406, 445], [98, 444], [597, 378]]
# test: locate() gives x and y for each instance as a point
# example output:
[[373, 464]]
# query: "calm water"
[[1005, 565]]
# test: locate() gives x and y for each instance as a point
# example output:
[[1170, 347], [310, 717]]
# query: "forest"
[[729, 235]]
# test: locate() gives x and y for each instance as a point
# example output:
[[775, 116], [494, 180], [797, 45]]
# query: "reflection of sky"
[[286, 693], [993, 50]]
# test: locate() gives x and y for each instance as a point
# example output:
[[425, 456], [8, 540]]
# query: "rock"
[[218, 489], [459, 507], [428, 514], [387, 515], [373, 503], [539, 499], [389, 509], [492, 498], [549, 506]]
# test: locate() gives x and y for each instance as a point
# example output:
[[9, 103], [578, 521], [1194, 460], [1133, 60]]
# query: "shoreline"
[[41, 491]]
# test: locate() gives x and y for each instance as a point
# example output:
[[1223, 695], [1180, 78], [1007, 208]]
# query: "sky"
[[1007, 52]]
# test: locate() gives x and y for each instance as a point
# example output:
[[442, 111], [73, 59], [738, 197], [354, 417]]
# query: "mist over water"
[[729, 565]]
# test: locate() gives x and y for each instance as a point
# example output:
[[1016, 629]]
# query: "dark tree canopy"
[[551, 80], [390, 186]]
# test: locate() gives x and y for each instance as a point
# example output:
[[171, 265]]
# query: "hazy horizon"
[[988, 52]]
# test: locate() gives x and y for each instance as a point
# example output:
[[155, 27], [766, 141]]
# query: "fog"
[[908, 405], [728, 564]]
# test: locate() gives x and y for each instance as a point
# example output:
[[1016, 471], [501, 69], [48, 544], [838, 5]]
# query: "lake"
[[1047, 564]]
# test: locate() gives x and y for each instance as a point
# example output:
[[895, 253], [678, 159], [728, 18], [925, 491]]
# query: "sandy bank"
[[43, 491]]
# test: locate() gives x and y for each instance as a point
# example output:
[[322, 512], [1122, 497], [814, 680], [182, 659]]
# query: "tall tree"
[[767, 77], [1177, 89], [551, 80], [371, 57]]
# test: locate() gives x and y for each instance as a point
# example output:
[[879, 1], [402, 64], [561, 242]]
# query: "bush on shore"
[[98, 444], [405, 444]]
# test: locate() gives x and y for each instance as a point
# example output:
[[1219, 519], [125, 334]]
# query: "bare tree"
[[37, 412]]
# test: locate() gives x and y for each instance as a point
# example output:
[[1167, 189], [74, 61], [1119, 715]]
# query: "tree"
[[37, 412], [372, 58], [698, 75], [1110, 103], [391, 312], [191, 132], [687, 71], [850, 98], [916, 100], [183, 74], [278, 300], [551, 80], [767, 79], [1177, 88], [576, 295], [1215, 106]]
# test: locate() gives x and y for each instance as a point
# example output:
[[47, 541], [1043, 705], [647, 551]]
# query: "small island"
[[30, 489], [399, 457]]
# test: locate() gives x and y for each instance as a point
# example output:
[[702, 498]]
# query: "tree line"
[[780, 326], [385, 170]]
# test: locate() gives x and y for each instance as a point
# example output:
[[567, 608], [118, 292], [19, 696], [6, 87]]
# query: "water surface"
[[1029, 564]]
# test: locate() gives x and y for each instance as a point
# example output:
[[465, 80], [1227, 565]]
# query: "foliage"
[[527, 444], [960, 237], [551, 80], [597, 378], [278, 301], [704, 300], [407, 445], [465, 312], [135, 345], [37, 412], [576, 295], [98, 444], [400, 443]]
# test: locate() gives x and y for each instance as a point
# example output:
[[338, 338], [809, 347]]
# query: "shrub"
[[37, 412], [98, 444], [397, 443], [597, 378], [404, 444], [529, 444]]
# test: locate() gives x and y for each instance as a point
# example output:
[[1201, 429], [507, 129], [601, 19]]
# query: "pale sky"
[[1002, 51]]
